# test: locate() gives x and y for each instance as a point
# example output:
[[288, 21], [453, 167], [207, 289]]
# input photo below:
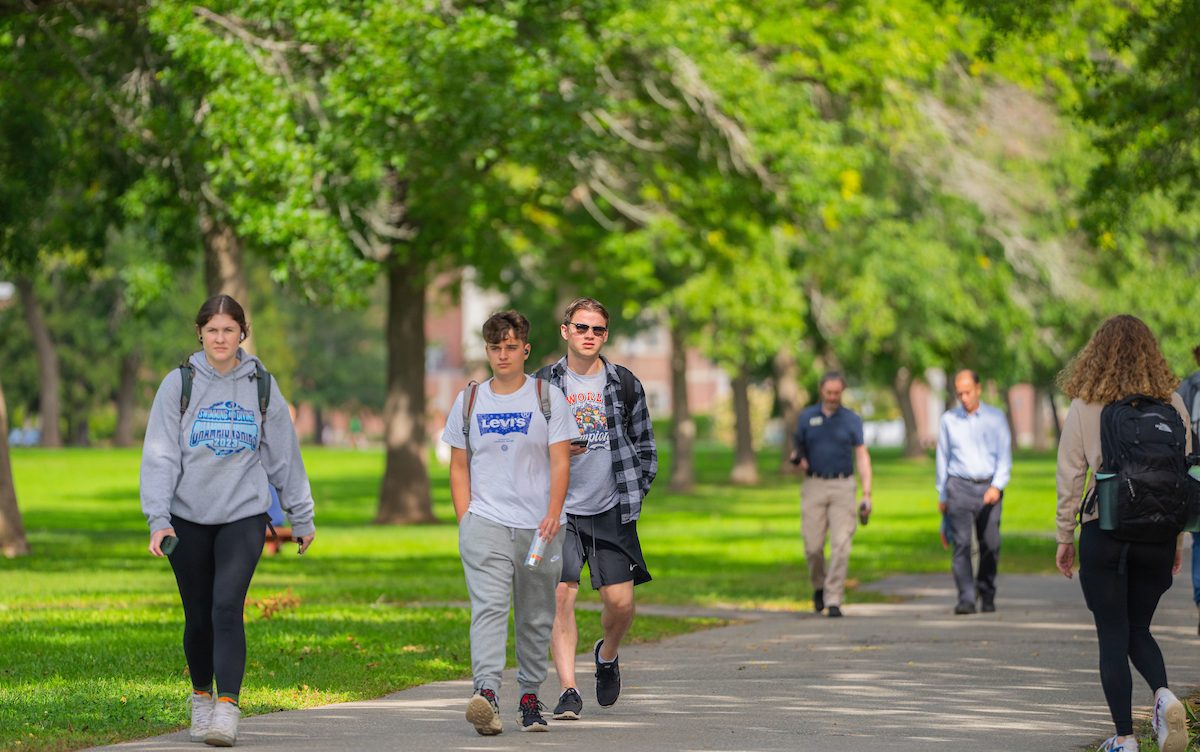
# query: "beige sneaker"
[[1169, 722], [222, 731], [202, 708], [483, 712]]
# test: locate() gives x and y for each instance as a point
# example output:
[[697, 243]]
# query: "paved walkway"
[[903, 676]]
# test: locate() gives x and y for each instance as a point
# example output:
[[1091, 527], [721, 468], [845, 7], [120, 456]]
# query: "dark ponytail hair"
[[225, 304]]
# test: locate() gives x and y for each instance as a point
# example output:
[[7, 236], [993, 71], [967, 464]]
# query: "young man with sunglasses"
[[613, 463]]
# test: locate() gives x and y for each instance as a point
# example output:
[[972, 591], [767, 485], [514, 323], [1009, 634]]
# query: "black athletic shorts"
[[610, 548]]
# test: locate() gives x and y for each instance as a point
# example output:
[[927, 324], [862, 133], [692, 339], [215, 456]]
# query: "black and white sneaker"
[[569, 706], [608, 679], [483, 712], [531, 713]]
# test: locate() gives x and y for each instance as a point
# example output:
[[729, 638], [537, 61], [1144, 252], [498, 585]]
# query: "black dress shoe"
[[988, 607], [964, 608], [835, 612], [818, 601]]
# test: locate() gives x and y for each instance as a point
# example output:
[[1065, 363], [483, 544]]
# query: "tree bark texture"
[[127, 398], [404, 497], [1008, 413], [787, 396], [745, 466], [1040, 402], [50, 389], [902, 389], [683, 427], [224, 270], [13, 542]]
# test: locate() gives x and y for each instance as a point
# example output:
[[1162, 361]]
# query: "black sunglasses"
[[599, 331]]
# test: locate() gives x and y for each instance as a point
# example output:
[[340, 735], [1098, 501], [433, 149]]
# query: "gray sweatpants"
[[493, 558]]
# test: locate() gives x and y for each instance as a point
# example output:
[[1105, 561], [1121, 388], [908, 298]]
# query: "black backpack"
[[1142, 442]]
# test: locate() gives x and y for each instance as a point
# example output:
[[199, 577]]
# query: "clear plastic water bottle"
[[536, 549]]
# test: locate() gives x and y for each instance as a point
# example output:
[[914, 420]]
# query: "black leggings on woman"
[[1122, 584], [213, 565]]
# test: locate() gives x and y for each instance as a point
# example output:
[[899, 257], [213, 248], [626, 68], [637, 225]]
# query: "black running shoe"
[[531, 714], [818, 600], [608, 679], [570, 705]]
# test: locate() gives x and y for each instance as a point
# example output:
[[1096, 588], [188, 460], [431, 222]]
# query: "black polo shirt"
[[828, 441]]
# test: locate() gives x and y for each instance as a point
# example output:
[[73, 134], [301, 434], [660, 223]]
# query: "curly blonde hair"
[[1121, 359]]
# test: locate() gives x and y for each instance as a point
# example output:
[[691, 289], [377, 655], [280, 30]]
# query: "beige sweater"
[[1079, 451]]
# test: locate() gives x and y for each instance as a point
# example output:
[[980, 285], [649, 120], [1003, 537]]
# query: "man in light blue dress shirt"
[[974, 463]]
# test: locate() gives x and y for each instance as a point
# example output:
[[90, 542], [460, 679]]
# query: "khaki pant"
[[827, 508]]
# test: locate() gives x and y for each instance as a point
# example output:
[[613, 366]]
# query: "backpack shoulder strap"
[[628, 395], [468, 406], [262, 378], [187, 375], [543, 396]]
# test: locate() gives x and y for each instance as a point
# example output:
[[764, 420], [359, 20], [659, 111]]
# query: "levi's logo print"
[[503, 423], [226, 428]]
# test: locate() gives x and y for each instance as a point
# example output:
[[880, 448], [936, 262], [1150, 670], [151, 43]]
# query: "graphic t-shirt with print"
[[593, 486], [510, 460]]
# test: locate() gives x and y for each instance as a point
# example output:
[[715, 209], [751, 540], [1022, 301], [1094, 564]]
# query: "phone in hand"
[[167, 544]]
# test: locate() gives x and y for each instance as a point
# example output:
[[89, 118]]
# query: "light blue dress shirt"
[[974, 445]]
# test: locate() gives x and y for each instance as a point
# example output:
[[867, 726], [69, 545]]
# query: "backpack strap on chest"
[[543, 396], [468, 406], [187, 375]]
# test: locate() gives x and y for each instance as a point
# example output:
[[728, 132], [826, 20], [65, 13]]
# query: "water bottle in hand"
[[536, 549]]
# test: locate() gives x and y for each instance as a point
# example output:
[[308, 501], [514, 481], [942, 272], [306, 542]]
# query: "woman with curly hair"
[[1121, 581]]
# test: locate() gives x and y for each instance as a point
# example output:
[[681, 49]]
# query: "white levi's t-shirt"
[[510, 460]]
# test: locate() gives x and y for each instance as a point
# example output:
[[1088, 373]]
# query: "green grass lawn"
[[90, 625]]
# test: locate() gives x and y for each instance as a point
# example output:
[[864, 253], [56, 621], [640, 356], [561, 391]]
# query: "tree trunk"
[[404, 497], [1054, 414], [50, 394], [1012, 421], [787, 396], [224, 270], [1039, 419], [12, 533], [127, 398], [745, 466], [683, 427], [318, 425], [902, 390]]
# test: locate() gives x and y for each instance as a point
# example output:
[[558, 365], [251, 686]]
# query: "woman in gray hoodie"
[[207, 461]]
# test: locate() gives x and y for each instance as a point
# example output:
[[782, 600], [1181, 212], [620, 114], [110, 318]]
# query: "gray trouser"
[[493, 558], [967, 513]]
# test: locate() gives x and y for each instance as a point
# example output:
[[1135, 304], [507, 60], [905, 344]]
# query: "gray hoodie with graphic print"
[[213, 465]]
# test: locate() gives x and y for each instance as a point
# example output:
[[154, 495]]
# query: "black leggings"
[[213, 565], [1122, 583]]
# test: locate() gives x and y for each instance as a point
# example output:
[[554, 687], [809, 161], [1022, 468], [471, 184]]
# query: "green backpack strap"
[[469, 395], [262, 377], [186, 376]]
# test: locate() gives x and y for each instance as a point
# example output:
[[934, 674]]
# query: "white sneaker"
[[222, 732], [202, 708], [1110, 745], [1169, 722]]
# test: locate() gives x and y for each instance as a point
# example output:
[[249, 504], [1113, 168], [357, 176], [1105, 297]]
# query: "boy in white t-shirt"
[[508, 478]]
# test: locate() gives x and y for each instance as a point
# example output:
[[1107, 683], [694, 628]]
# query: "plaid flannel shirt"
[[631, 442]]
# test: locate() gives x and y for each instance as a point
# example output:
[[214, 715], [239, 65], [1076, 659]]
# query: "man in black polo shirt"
[[829, 441]]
